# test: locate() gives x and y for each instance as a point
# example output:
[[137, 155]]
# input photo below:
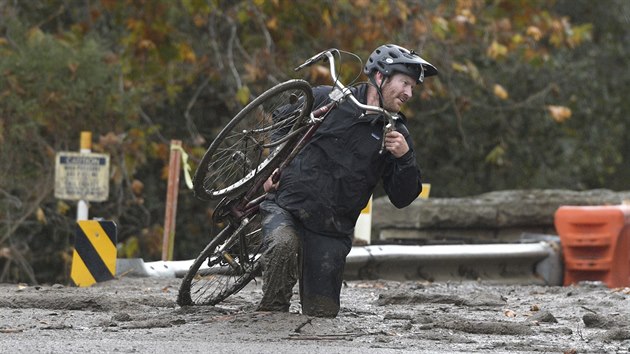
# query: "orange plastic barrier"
[[595, 243]]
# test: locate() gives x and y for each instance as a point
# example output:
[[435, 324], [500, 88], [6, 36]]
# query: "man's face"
[[397, 90]]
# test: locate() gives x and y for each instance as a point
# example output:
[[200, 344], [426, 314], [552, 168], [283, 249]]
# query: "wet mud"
[[140, 315]]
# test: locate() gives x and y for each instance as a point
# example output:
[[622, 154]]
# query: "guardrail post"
[[363, 227]]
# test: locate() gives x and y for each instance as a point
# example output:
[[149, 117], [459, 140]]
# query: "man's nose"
[[409, 91]]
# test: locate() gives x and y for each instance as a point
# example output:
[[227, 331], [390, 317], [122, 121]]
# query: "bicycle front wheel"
[[229, 262], [253, 142]]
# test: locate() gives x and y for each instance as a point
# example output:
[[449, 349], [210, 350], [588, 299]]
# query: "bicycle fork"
[[225, 255]]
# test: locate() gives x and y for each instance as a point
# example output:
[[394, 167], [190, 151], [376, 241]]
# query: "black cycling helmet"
[[390, 58]]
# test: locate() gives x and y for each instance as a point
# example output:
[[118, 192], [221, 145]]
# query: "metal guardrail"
[[522, 263], [538, 262]]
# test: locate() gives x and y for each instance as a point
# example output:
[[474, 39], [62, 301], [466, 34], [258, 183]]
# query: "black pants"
[[293, 252]]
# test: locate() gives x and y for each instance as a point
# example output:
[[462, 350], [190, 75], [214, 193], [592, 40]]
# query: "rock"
[[592, 320], [543, 316], [486, 327], [410, 297], [492, 217], [619, 334]]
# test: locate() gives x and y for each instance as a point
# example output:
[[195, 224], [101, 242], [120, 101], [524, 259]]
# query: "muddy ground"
[[139, 315]]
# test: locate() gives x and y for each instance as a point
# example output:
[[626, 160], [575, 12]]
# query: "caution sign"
[[94, 256], [81, 176]]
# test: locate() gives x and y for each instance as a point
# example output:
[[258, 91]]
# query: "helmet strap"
[[379, 88]]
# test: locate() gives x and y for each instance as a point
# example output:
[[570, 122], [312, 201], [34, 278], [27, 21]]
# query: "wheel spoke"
[[226, 267], [245, 148]]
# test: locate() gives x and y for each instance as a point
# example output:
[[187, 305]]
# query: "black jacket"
[[332, 178]]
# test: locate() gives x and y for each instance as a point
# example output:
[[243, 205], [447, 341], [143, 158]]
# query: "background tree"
[[530, 95], [46, 82]]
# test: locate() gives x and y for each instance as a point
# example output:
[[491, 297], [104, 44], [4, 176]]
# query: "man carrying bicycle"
[[309, 215]]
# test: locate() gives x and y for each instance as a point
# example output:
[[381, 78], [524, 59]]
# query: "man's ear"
[[380, 78]]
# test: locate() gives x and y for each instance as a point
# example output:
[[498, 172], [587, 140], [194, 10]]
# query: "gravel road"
[[139, 315]]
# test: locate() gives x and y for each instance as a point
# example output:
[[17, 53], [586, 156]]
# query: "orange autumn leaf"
[[559, 113], [501, 92]]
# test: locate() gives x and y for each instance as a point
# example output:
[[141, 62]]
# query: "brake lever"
[[317, 57]]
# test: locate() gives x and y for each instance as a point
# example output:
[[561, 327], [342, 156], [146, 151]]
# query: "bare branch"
[[11, 198], [458, 114], [259, 20], [40, 195], [214, 44], [527, 102], [23, 263], [230, 53], [52, 16], [147, 119], [190, 124]]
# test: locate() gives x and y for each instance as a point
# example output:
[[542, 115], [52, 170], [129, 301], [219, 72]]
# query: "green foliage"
[[52, 88], [48, 82]]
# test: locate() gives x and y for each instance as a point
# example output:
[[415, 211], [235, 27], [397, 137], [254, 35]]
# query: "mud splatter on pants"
[[293, 252]]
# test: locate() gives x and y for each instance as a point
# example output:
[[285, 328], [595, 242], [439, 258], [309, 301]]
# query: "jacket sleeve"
[[402, 180]]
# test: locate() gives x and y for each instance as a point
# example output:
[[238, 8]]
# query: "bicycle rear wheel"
[[252, 144], [229, 262]]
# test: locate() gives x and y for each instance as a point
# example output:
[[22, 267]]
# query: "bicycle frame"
[[249, 203]]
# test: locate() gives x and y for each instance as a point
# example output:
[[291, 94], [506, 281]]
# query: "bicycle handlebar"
[[345, 92], [314, 59]]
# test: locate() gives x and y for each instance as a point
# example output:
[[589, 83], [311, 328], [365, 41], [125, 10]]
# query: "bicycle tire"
[[213, 284], [244, 150]]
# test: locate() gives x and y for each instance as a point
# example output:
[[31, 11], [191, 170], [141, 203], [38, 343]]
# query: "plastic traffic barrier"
[[595, 243]]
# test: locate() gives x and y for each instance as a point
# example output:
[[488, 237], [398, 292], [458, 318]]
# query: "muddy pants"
[[293, 252]]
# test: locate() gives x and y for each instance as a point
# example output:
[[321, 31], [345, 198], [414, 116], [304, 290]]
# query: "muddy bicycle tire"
[[211, 278], [249, 146]]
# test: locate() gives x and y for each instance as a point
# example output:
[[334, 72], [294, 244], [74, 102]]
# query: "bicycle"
[[257, 144]]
